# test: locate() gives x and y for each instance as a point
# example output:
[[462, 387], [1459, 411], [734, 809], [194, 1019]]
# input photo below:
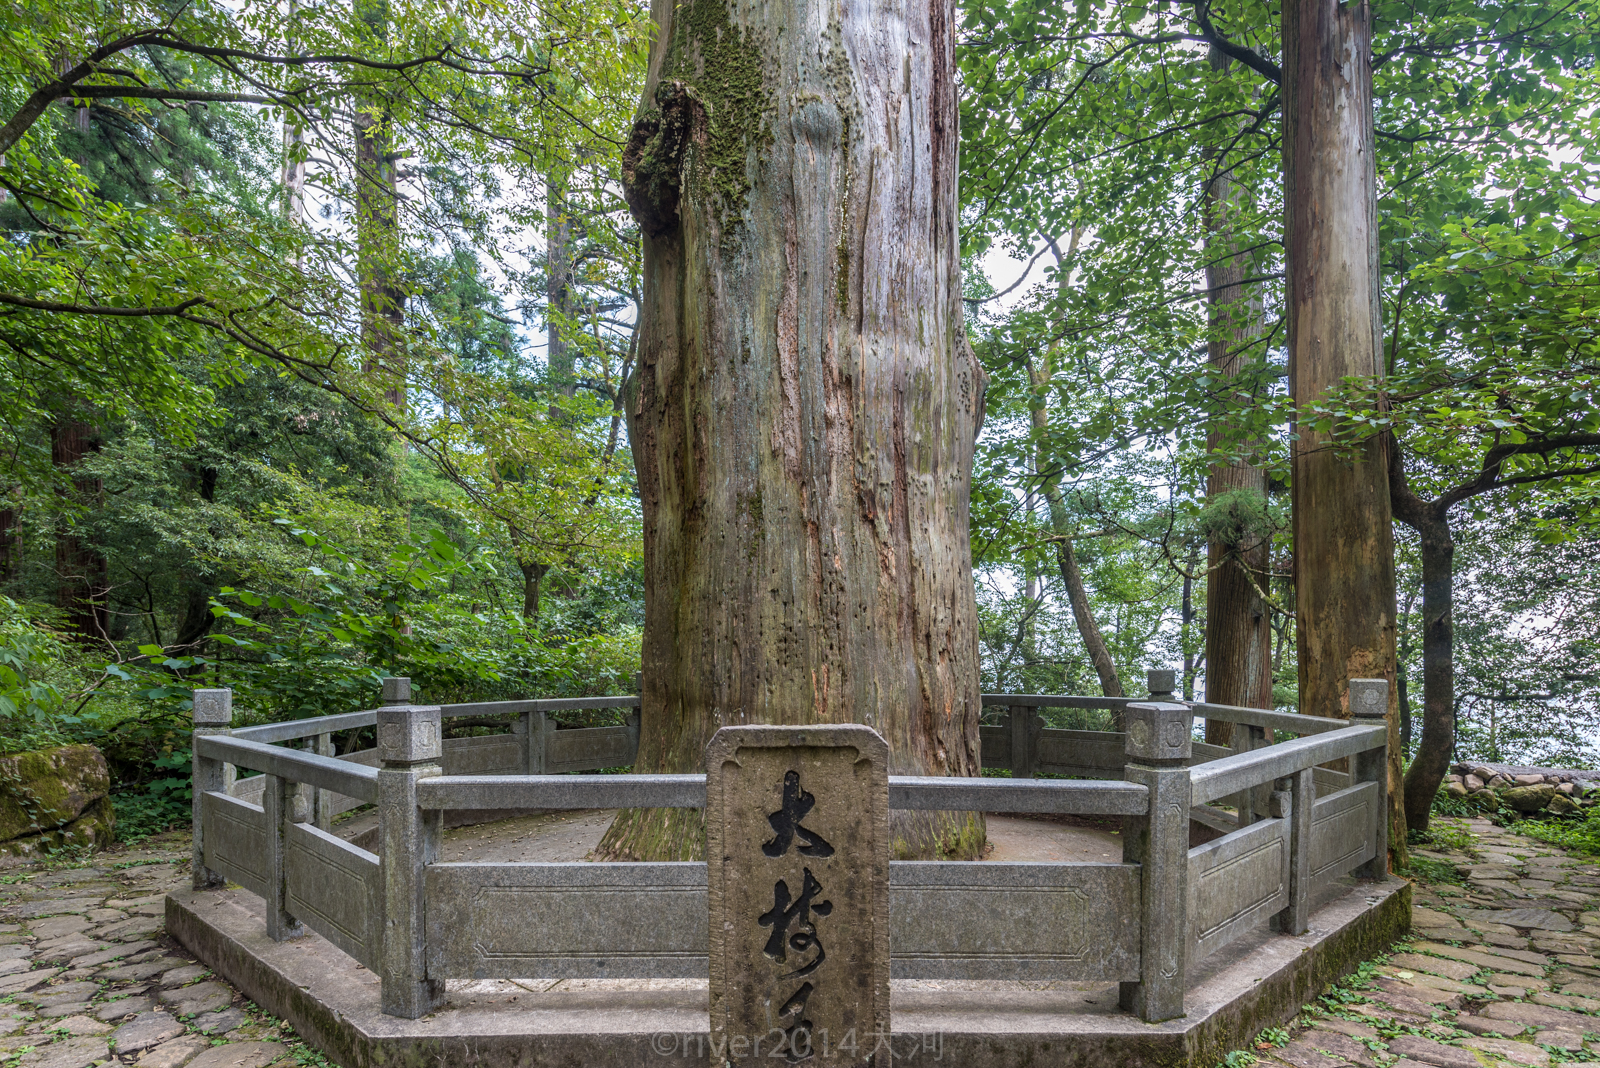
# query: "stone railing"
[[417, 922]]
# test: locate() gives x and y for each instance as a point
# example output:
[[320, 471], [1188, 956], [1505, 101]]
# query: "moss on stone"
[[49, 788]]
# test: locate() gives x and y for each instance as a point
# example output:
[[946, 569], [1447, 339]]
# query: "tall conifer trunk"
[[806, 398], [1238, 655], [82, 574], [1343, 530]]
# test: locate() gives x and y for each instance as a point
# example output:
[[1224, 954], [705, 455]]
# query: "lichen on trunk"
[[803, 413]]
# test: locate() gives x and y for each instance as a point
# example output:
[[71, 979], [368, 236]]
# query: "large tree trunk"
[[378, 228], [83, 578], [807, 400], [1343, 533], [1431, 521], [1238, 652]]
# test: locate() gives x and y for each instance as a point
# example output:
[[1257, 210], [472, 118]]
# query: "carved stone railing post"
[[1369, 703], [213, 714], [282, 801], [534, 729], [409, 748], [1161, 682], [1159, 744]]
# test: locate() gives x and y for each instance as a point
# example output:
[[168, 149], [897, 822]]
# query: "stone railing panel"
[[235, 840], [1235, 882], [1342, 826], [587, 749], [333, 888], [959, 920], [567, 921]]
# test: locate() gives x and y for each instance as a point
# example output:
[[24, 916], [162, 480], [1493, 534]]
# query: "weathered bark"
[[1343, 531], [807, 400], [83, 577], [1431, 521], [378, 230], [1238, 628]]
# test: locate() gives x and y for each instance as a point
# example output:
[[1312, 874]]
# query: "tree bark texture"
[[1238, 654], [807, 401], [1431, 521], [83, 577], [1343, 531]]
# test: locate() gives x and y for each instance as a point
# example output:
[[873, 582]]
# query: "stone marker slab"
[[797, 858]]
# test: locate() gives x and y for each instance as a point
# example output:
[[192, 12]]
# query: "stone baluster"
[[283, 802], [1161, 682], [1159, 745], [1294, 798], [409, 749], [1369, 703], [322, 800], [213, 714]]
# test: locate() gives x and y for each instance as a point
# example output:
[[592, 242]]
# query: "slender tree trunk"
[[1431, 521], [84, 584], [532, 583], [1238, 627], [197, 618], [1088, 630], [558, 292], [807, 400], [1343, 532], [378, 229]]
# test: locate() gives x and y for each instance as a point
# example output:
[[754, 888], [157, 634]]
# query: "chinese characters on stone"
[[793, 928]]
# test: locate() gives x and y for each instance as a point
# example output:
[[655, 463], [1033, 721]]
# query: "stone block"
[[67, 1053], [409, 734], [173, 1054], [81, 1025], [1539, 1016], [188, 973], [1428, 1051], [1158, 732], [797, 857], [1515, 1052], [122, 1008], [240, 1055], [218, 1023], [143, 1031], [1161, 681], [50, 788], [1481, 958], [22, 981], [1528, 798], [1568, 1041], [396, 690], [202, 997]]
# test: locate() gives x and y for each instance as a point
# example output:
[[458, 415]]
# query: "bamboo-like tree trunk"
[[1343, 531], [806, 398], [1238, 652]]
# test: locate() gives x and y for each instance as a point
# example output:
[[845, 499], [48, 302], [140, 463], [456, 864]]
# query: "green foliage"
[[28, 700], [1579, 832]]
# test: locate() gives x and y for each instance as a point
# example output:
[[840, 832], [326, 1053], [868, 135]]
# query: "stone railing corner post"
[[213, 714], [1161, 682], [1159, 745], [409, 750], [1369, 703]]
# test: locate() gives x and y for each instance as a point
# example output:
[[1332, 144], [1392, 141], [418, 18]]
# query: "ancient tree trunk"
[[378, 229], [83, 578], [1343, 534], [806, 401], [1431, 521], [1238, 628]]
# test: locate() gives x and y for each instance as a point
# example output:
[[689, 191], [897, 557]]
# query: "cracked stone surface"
[[1500, 968]]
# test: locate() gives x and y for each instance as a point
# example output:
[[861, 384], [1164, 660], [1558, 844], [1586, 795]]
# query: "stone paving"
[[87, 975], [1499, 970]]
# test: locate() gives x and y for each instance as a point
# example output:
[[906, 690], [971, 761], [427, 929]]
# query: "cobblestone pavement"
[[87, 975], [1499, 970]]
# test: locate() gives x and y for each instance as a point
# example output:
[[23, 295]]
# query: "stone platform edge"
[[332, 1002]]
